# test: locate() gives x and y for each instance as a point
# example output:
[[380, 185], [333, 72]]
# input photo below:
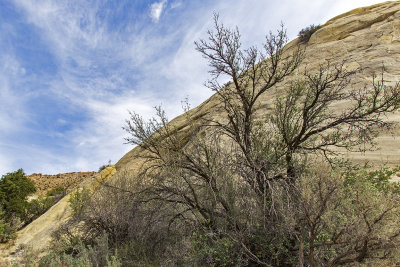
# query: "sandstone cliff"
[[366, 38]]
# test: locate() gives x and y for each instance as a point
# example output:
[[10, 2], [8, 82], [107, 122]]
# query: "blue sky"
[[71, 70]]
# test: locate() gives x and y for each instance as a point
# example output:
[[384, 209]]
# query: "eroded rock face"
[[366, 38], [350, 23]]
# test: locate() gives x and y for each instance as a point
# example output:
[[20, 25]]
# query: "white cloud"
[[176, 4], [156, 10], [12, 111], [5, 165]]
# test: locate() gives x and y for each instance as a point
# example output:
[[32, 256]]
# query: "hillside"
[[38, 233], [366, 38], [46, 182]]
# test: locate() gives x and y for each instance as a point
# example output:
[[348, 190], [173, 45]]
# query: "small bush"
[[37, 207], [214, 251], [78, 200], [102, 167], [305, 33], [7, 229], [100, 254], [59, 190]]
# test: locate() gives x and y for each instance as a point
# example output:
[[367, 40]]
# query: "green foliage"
[[78, 199], [346, 208], [59, 190], [214, 251], [7, 229], [305, 34], [37, 207], [14, 189], [16, 211], [99, 254]]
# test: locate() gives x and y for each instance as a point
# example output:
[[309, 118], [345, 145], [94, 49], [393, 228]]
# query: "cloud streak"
[[156, 10]]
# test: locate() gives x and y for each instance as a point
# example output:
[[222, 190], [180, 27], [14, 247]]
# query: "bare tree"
[[308, 119], [242, 187]]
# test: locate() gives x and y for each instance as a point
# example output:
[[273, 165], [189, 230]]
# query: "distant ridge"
[[69, 180]]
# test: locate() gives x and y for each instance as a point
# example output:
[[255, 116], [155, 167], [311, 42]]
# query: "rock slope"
[[366, 38]]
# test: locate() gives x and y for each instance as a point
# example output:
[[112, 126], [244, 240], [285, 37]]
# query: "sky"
[[71, 70]]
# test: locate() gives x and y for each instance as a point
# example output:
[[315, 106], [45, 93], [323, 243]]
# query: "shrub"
[[78, 199], [210, 250], [7, 229], [14, 189], [99, 254], [102, 167], [305, 34], [55, 192], [37, 207], [346, 217]]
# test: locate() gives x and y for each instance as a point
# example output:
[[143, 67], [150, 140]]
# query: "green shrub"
[[99, 254], [7, 229], [214, 251], [305, 34], [14, 189], [78, 200], [59, 190], [37, 207]]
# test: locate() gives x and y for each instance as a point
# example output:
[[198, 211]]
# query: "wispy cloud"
[[156, 10]]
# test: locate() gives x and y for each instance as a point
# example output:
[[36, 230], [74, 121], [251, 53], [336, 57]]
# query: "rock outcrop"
[[366, 38]]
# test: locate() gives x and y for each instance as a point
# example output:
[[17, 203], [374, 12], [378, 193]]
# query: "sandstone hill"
[[366, 38]]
